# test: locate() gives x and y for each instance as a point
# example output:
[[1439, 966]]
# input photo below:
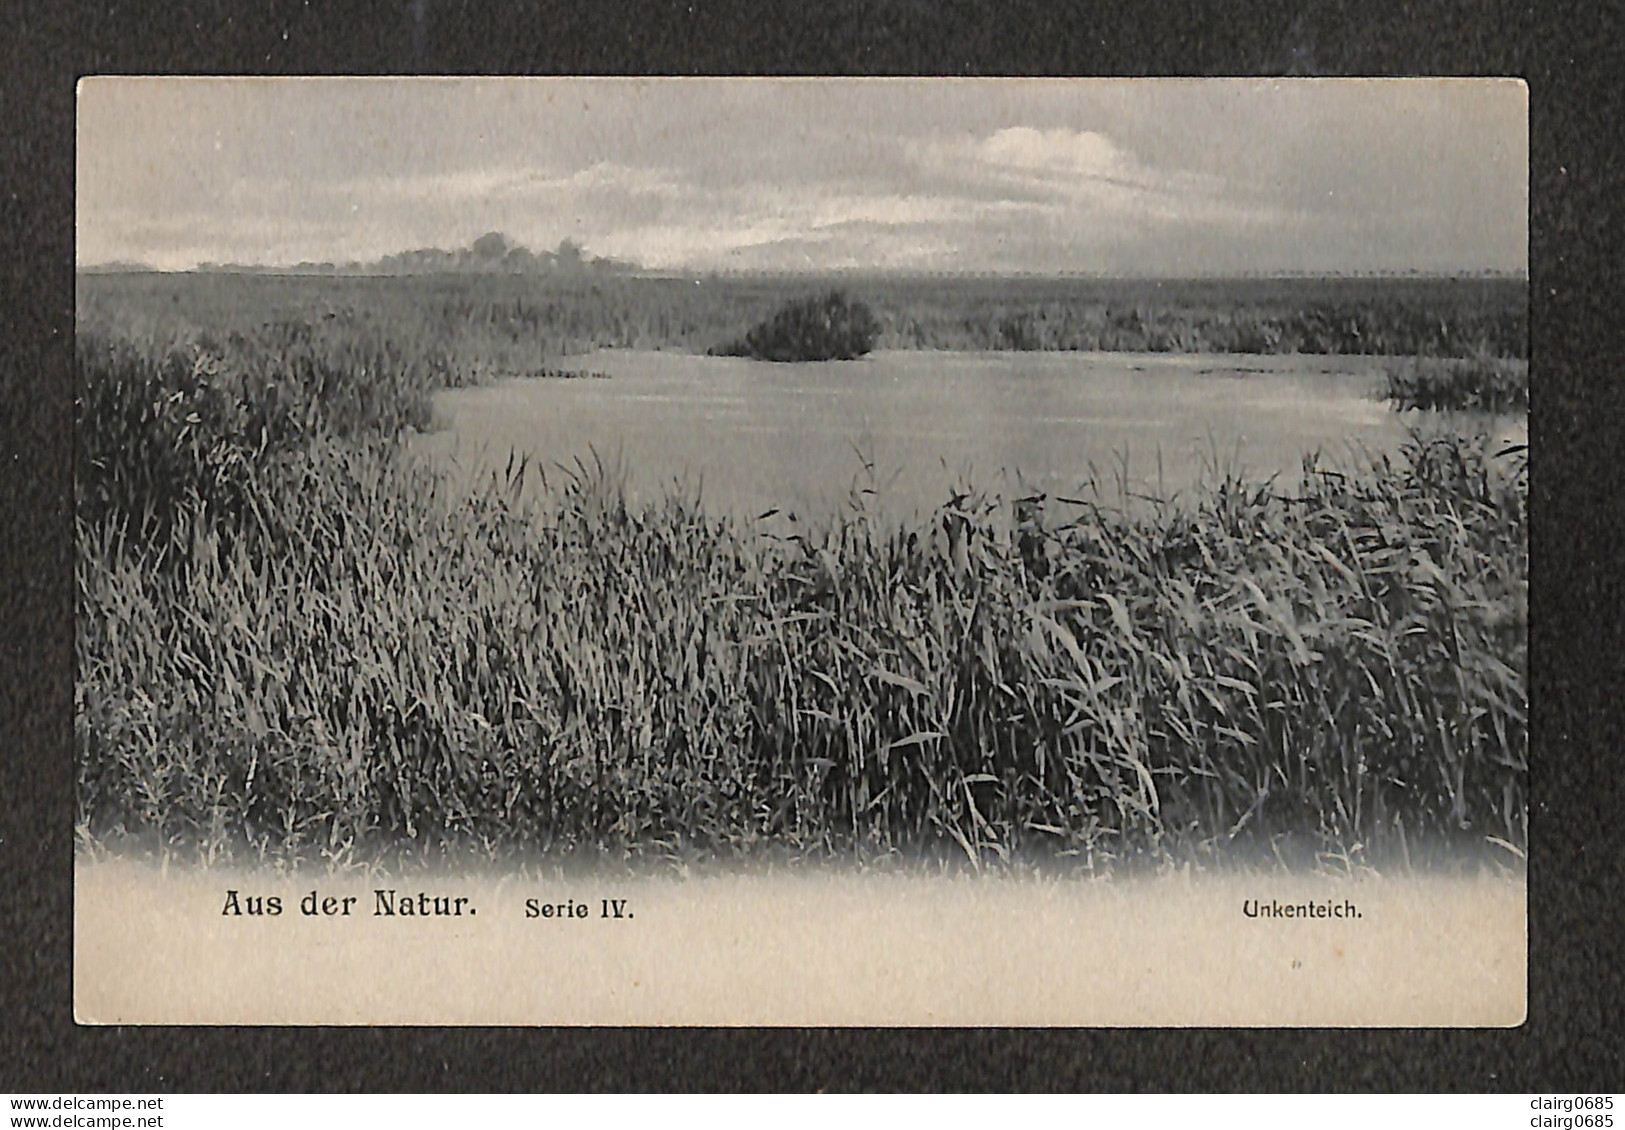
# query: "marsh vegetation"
[[829, 327], [298, 641]]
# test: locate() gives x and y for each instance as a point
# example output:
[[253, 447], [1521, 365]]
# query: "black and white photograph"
[[801, 551]]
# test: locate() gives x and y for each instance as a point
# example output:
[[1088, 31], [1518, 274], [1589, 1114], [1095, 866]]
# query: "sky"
[[1145, 177]]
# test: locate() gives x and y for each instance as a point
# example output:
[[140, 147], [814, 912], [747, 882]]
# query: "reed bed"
[[485, 326], [1476, 384], [295, 644], [1362, 327]]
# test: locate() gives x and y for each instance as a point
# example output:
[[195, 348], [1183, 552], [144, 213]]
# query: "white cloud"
[[1088, 176], [811, 208], [806, 225], [1083, 153], [472, 186]]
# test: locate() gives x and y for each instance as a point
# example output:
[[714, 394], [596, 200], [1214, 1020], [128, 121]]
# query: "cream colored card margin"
[[809, 948]]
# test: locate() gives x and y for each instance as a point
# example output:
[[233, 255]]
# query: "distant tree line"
[[492, 253]]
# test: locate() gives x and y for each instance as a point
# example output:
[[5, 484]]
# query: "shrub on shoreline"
[[826, 328]]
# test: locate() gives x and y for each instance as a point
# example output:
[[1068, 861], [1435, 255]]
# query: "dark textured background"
[[1573, 1039]]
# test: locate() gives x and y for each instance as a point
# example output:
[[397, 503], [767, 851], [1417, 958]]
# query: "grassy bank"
[[294, 643]]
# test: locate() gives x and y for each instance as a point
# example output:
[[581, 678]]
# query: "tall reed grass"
[[295, 643], [1475, 384]]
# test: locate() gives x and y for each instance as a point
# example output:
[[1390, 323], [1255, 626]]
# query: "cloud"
[[1055, 160], [810, 224], [181, 239], [855, 244], [486, 184], [473, 187], [1055, 151], [1088, 175]]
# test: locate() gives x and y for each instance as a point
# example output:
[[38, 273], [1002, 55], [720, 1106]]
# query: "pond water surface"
[[751, 436]]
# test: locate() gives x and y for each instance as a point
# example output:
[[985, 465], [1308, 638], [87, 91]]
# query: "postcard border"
[[1572, 922]]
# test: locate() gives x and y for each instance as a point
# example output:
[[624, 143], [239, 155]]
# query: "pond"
[[751, 436]]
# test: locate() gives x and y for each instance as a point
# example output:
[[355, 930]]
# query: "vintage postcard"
[[769, 552]]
